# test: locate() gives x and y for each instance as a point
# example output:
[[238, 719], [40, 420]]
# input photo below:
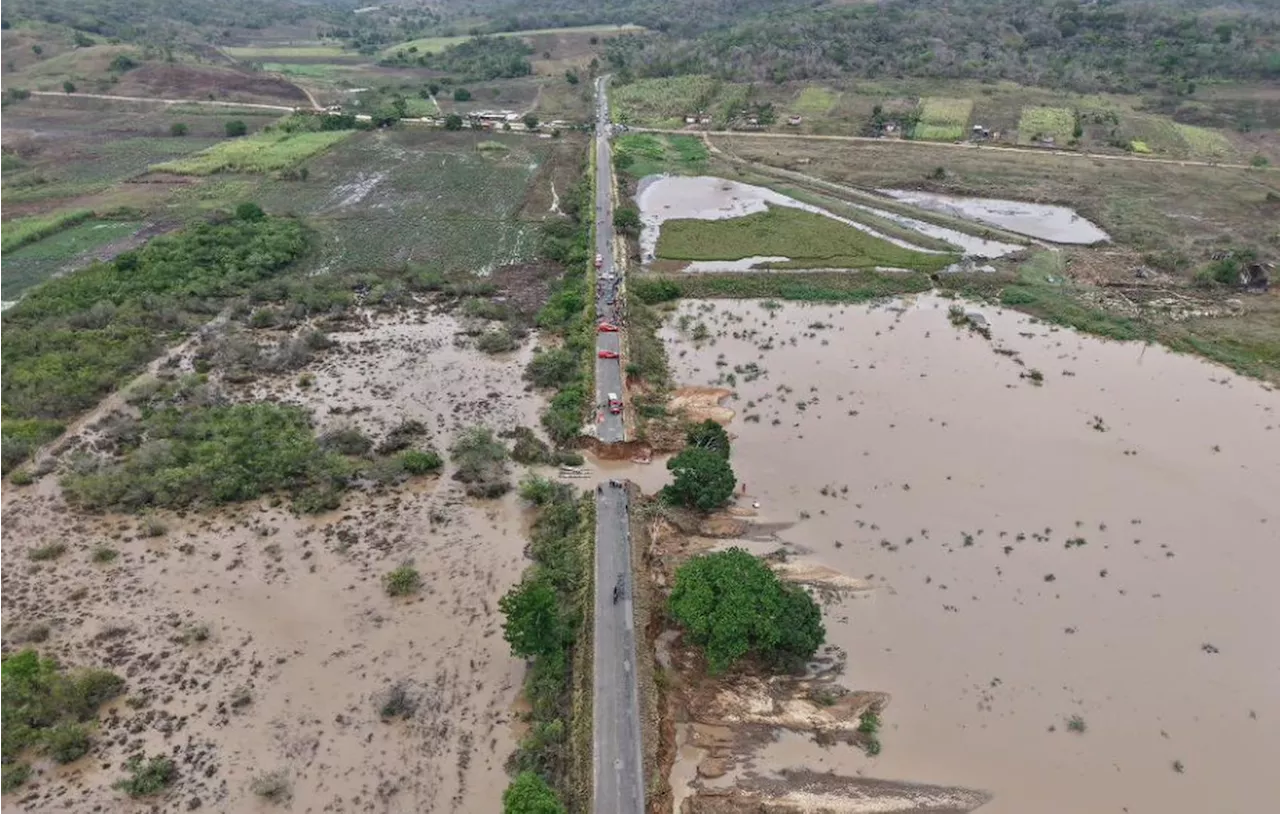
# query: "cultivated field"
[[943, 119], [537, 35], [34, 263], [260, 153], [1046, 124]]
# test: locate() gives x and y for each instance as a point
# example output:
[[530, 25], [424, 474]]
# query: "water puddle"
[[1096, 552], [1058, 224]]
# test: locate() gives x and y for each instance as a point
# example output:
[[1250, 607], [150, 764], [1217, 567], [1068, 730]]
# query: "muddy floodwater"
[[667, 197], [1073, 602], [1058, 224]]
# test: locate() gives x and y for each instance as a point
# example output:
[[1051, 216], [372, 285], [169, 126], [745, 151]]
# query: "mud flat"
[[1057, 224], [255, 641], [1072, 602]]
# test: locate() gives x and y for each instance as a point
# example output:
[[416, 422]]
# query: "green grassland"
[[943, 119], [430, 45], [282, 53], [21, 231], [809, 239], [641, 154], [1205, 143], [814, 100], [95, 167], [1038, 123], [259, 153], [416, 195], [34, 263]]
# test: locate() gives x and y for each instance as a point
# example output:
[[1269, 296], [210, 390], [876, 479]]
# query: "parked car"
[[615, 404], [608, 354], [608, 328]]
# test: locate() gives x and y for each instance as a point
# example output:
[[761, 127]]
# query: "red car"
[[608, 354], [608, 328]]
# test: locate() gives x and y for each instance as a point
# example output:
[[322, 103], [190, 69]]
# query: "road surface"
[[618, 778], [619, 764], [609, 427]]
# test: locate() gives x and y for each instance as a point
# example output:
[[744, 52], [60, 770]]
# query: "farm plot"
[[664, 102], [808, 239], [1204, 143], [943, 119], [36, 262], [430, 45], [284, 53], [76, 168], [641, 154], [1045, 125], [260, 153], [416, 196], [815, 100]]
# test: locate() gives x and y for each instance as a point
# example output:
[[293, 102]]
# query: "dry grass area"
[[256, 642]]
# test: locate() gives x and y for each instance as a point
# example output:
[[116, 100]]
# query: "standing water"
[[1075, 606]]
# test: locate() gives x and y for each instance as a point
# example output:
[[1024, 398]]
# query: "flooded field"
[[1058, 224], [1071, 546], [254, 641], [669, 197]]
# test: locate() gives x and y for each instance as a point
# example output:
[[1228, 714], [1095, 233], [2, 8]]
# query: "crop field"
[[943, 119], [259, 153], [418, 196], [428, 45], [21, 231], [283, 53], [34, 263], [641, 154], [307, 70], [663, 102], [1039, 123], [1204, 143], [90, 168], [809, 239]]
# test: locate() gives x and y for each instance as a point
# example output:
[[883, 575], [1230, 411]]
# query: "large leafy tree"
[[709, 435], [530, 794], [733, 606], [702, 480], [534, 625]]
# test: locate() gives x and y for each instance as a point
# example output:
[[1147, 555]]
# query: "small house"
[[690, 120], [794, 121]]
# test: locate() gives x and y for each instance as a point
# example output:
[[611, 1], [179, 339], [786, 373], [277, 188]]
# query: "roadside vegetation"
[[547, 622], [48, 709], [72, 340], [810, 241]]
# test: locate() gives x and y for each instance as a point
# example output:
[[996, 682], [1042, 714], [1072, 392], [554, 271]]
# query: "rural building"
[[794, 121]]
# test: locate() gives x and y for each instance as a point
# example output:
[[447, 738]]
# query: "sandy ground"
[[302, 642], [1102, 546]]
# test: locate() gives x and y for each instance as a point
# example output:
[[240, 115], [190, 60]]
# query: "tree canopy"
[[734, 606], [702, 480], [534, 625], [709, 435], [530, 794]]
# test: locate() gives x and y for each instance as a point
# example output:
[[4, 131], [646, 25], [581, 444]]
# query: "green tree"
[[461, 95], [534, 626], [530, 121], [626, 219], [571, 77], [249, 211], [530, 794], [69, 86], [453, 122], [236, 128], [733, 606], [709, 435], [179, 129], [702, 480]]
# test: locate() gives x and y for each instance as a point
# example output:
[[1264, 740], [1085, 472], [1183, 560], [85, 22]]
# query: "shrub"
[[147, 777], [553, 368], [420, 462], [68, 86], [453, 122], [273, 786], [22, 477], [49, 552], [461, 95], [1076, 724], [403, 581], [534, 625], [397, 703], [499, 340], [709, 435], [702, 480], [179, 129], [481, 462], [733, 606], [103, 554], [14, 776], [236, 128], [249, 211], [401, 436], [67, 742], [346, 441]]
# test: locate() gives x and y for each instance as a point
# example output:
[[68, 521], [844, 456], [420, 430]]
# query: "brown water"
[[1158, 631], [1059, 224]]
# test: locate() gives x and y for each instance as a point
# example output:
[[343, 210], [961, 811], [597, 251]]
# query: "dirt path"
[[112, 98], [706, 134]]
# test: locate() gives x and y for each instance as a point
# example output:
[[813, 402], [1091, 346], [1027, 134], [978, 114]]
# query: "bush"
[[553, 368], [401, 436], [346, 441], [481, 462], [543, 491], [49, 552], [147, 777], [733, 606], [22, 477], [534, 625], [453, 122], [403, 581], [626, 219], [709, 435], [14, 776], [421, 462], [273, 786], [499, 340], [67, 742], [236, 128], [461, 95], [179, 129], [530, 794], [249, 211], [703, 479], [104, 555]]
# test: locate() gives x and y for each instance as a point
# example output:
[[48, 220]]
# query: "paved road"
[[608, 279], [619, 764], [910, 143]]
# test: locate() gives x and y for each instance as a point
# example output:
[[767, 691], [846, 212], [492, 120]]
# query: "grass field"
[[1204, 143], [282, 53], [34, 263], [1038, 123], [809, 239], [815, 100], [943, 119], [641, 154], [384, 199], [21, 231], [259, 153], [428, 45], [307, 70], [87, 168], [663, 102]]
